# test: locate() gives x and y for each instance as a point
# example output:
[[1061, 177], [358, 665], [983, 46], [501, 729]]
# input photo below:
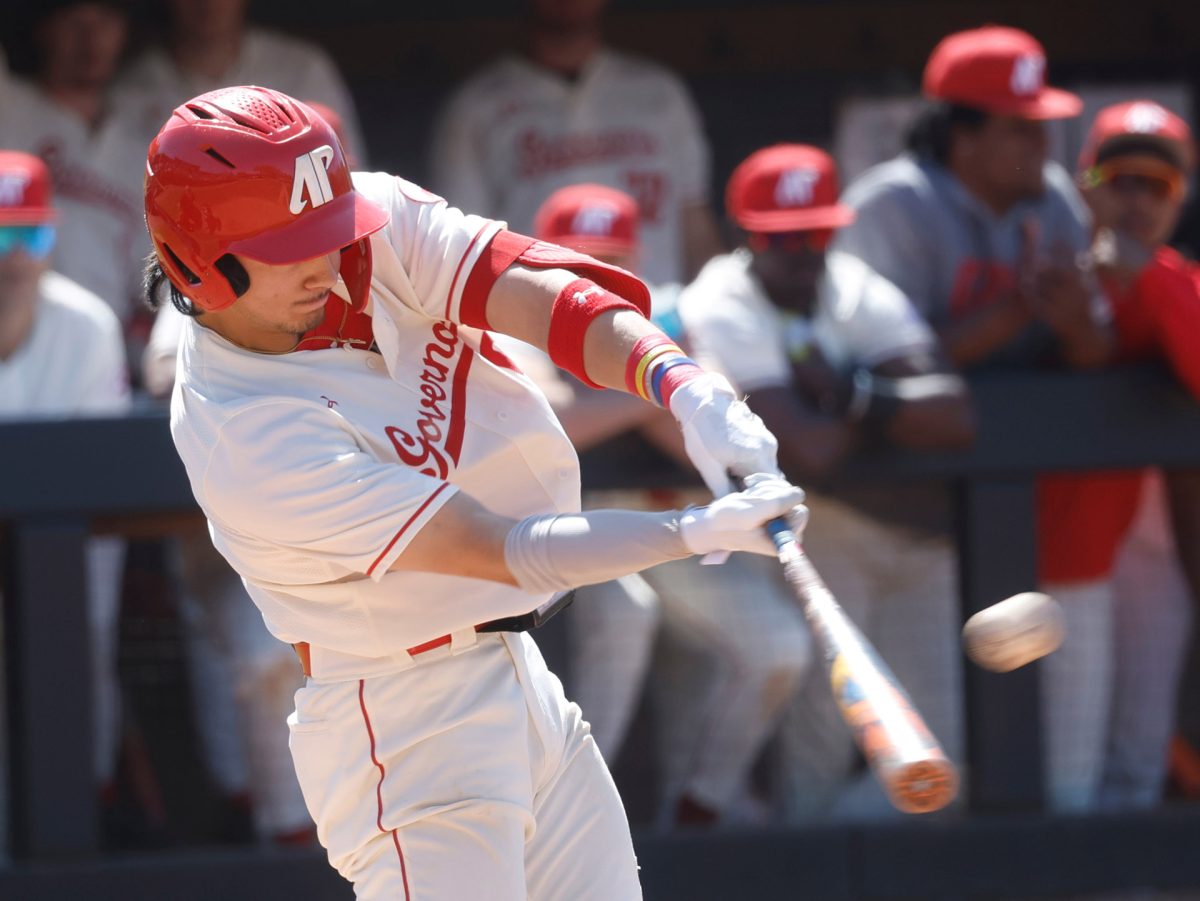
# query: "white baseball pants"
[[243, 680], [611, 632], [748, 650], [1076, 688], [467, 775], [1152, 620]]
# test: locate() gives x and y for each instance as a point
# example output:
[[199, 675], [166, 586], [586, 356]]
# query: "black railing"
[[60, 478]]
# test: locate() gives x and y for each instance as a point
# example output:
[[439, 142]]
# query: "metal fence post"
[[52, 783], [997, 550]]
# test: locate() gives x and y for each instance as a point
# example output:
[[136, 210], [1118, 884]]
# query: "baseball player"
[[61, 355], [1133, 171], [210, 44], [750, 654], [398, 500], [65, 117], [831, 356], [571, 111], [984, 235]]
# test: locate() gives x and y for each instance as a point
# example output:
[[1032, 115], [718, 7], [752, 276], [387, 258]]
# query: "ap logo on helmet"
[[312, 179]]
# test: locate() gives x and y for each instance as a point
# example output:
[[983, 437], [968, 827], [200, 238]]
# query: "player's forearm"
[[521, 302], [1087, 346], [975, 337], [555, 552]]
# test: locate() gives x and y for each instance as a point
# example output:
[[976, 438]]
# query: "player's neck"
[[89, 102], [565, 54], [208, 58], [247, 335], [997, 200]]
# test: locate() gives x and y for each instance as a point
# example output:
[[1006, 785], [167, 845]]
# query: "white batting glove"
[[720, 433], [735, 522]]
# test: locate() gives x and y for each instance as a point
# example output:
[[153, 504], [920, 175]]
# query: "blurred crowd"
[[847, 312]]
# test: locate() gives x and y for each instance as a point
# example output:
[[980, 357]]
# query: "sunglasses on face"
[[1127, 176], [35, 240], [816, 241]]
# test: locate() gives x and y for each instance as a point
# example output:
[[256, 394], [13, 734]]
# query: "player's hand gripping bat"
[[898, 746]]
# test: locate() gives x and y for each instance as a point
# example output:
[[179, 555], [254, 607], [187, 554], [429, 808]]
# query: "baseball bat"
[[904, 755]]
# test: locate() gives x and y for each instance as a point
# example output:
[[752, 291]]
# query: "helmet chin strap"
[[356, 273]]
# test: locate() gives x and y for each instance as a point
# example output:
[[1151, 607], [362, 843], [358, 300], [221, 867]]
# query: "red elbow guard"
[[574, 308]]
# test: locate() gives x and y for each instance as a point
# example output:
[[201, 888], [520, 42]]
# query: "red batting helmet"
[[251, 171]]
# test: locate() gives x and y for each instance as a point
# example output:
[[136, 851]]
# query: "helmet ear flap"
[[210, 289]]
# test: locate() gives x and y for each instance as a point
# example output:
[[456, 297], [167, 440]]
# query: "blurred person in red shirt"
[[1133, 172]]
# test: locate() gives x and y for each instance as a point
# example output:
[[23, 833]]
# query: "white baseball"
[[1014, 632]]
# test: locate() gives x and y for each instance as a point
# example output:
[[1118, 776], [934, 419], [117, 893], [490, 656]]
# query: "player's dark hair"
[[930, 135], [1138, 145], [156, 285]]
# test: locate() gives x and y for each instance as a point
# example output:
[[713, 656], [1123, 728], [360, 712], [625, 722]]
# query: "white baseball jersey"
[[316, 468], [152, 86], [72, 363], [97, 176], [861, 319], [517, 132]]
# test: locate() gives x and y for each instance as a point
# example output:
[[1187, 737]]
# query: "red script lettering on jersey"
[[436, 440]]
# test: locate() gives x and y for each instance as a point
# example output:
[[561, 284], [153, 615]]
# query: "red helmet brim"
[[332, 226]]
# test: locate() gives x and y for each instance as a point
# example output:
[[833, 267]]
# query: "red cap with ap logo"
[[998, 70], [24, 190], [786, 188], [592, 219], [1133, 124]]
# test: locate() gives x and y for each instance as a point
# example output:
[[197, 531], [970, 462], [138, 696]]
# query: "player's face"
[[19, 274], [207, 20], [789, 265], [1008, 155], [568, 15], [1142, 197], [81, 44], [282, 303]]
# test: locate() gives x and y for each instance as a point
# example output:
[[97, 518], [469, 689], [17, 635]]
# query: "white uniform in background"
[[329, 461], [516, 132], [97, 178], [243, 678], [152, 86], [717, 703], [896, 582], [72, 365], [1152, 616]]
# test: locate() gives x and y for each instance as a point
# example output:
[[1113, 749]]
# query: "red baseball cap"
[[25, 196], [786, 188], [589, 218], [1135, 123], [998, 70]]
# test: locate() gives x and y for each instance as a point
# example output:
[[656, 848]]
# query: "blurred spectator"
[[95, 159], [984, 236], [1134, 169], [210, 45], [243, 678], [833, 356], [61, 356], [737, 617], [570, 110]]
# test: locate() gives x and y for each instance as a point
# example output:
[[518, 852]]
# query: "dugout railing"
[[61, 480]]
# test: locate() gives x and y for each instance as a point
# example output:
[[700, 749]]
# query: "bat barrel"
[[921, 786]]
